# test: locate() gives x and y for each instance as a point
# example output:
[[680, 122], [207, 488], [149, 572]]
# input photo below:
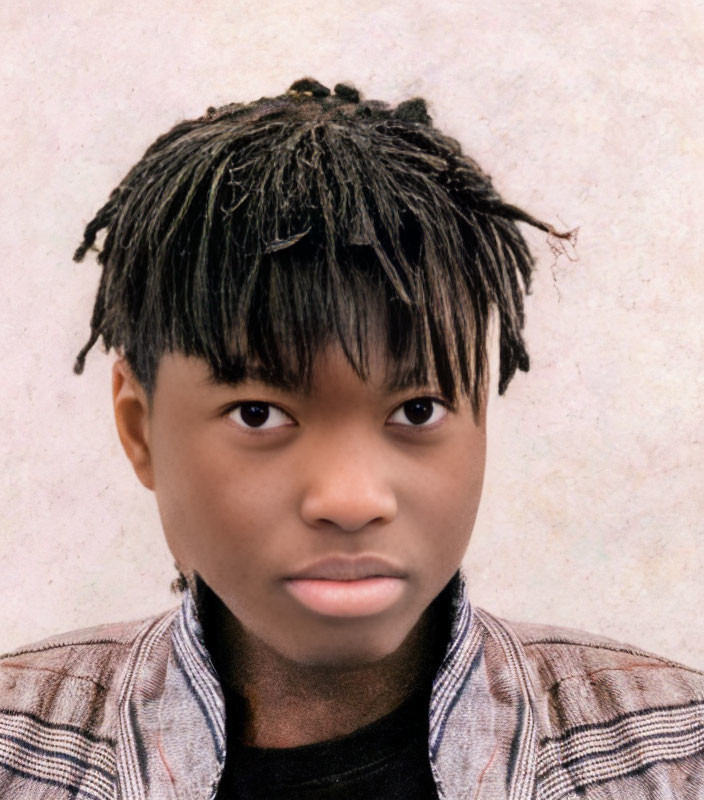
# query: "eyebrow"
[[255, 372]]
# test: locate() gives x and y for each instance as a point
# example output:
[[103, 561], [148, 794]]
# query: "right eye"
[[257, 415]]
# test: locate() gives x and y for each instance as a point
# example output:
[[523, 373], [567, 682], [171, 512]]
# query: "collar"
[[171, 740]]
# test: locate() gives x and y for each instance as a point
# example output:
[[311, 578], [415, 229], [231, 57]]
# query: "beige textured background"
[[587, 113]]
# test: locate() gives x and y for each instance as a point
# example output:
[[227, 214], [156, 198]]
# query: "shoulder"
[[560, 654], [60, 673], [89, 654], [608, 712], [59, 707]]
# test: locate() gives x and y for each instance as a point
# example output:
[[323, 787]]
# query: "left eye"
[[420, 412], [256, 415]]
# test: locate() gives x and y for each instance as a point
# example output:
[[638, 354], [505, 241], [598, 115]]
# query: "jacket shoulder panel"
[[558, 657], [609, 712], [58, 711], [108, 633], [87, 656], [536, 635]]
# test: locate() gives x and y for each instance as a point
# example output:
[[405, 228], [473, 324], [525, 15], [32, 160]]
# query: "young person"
[[299, 292]]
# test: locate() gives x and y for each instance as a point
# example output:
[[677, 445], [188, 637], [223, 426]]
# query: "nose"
[[347, 486]]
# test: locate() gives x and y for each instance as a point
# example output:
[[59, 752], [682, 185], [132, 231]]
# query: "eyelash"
[[440, 401]]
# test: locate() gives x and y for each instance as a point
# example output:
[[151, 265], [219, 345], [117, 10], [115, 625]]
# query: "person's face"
[[250, 494]]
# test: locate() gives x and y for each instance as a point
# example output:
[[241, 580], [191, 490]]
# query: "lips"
[[349, 568], [366, 597]]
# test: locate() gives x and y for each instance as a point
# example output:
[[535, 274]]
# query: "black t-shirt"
[[386, 760]]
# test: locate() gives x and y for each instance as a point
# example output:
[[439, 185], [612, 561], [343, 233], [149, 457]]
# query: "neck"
[[287, 704]]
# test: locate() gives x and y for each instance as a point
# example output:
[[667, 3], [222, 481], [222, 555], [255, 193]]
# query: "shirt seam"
[[44, 648], [585, 675], [60, 673], [635, 651]]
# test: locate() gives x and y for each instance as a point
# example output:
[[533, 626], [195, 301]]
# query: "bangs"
[[295, 313], [308, 245]]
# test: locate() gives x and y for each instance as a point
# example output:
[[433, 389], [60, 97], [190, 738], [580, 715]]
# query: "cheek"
[[211, 506], [450, 498], [225, 512], [469, 480]]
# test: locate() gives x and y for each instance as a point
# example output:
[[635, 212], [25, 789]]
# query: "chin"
[[343, 648]]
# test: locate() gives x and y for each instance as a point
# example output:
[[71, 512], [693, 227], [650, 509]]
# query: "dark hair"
[[258, 232]]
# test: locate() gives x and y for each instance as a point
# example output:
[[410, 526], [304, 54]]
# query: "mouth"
[[349, 568], [362, 597]]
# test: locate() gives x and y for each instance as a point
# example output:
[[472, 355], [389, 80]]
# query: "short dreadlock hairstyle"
[[259, 232]]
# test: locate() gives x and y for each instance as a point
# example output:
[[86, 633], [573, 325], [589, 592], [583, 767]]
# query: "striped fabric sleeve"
[[50, 754], [629, 744]]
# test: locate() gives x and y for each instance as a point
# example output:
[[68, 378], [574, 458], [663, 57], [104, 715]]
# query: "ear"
[[132, 417]]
